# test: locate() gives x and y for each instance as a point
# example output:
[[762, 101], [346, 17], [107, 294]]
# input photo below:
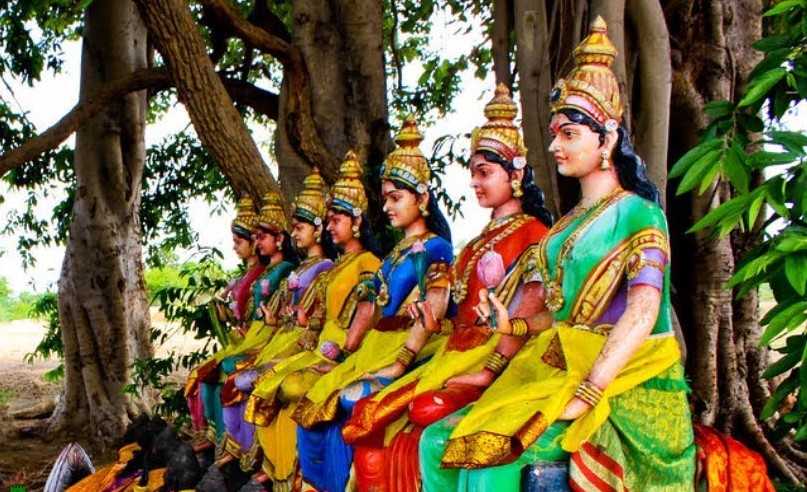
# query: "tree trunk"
[[535, 82], [103, 308], [711, 61], [348, 98], [651, 128], [219, 125]]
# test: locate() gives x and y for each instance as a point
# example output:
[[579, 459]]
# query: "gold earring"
[[605, 164], [516, 186], [317, 236], [356, 232], [280, 246], [424, 212]]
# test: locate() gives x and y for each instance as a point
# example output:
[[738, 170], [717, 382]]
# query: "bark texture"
[[348, 97], [103, 307], [218, 124], [711, 61]]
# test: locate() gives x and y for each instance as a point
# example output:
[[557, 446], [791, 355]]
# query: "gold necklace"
[[554, 292]]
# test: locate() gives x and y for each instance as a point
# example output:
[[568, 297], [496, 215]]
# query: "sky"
[[51, 98]]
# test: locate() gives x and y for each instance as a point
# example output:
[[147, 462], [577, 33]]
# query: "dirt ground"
[[27, 457]]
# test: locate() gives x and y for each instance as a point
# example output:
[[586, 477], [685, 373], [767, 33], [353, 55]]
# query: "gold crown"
[[407, 164], [310, 202], [245, 217], [271, 213], [347, 194], [591, 86], [499, 134]]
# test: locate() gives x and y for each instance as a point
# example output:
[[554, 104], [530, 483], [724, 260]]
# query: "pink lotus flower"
[[418, 247], [294, 282], [265, 287], [330, 349], [490, 269]]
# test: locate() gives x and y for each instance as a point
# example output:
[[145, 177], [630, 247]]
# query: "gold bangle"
[[496, 363], [446, 326], [519, 327], [589, 393], [405, 356]]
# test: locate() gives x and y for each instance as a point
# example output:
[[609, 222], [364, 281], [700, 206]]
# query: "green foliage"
[[5, 396], [46, 307], [737, 146], [14, 307], [185, 307]]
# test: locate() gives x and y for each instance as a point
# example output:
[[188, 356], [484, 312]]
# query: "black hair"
[[325, 239], [367, 238], [630, 168], [435, 222], [532, 201]]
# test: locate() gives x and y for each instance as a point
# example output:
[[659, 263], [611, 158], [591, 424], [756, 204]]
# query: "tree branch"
[[300, 126], [68, 124], [261, 100]]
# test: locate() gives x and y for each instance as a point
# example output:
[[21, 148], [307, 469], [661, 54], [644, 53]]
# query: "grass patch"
[[5, 396]]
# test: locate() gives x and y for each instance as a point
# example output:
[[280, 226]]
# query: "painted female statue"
[[279, 389], [381, 335], [288, 306], [236, 306], [602, 378], [386, 427], [272, 242]]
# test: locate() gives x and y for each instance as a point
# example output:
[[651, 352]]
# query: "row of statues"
[[541, 355]]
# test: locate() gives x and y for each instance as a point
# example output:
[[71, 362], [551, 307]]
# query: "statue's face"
[[490, 181], [244, 248], [576, 147], [302, 233], [340, 226], [267, 242], [400, 205]]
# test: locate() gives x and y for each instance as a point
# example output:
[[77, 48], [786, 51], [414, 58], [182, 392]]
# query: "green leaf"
[[772, 43], [693, 156], [782, 365], [783, 7], [781, 321], [796, 271], [704, 166], [792, 141], [803, 378], [762, 159], [735, 169], [708, 179], [759, 87], [792, 244], [718, 109], [729, 212], [753, 210], [783, 390]]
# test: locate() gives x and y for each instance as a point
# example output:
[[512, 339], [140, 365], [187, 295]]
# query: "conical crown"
[[245, 217], [406, 164], [310, 202], [347, 194], [500, 134], [271, 214], [591, 86]]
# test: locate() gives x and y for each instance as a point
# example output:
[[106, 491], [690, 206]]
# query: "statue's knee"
[[295, 385]]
